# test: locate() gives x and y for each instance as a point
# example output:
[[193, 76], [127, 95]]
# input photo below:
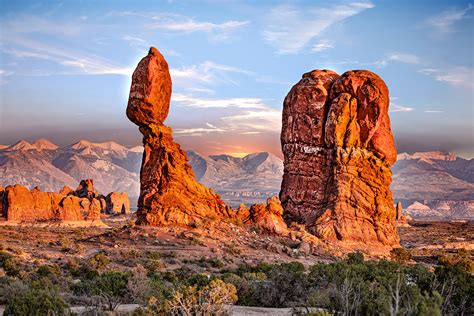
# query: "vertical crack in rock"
[[338, 148], [169, 193]]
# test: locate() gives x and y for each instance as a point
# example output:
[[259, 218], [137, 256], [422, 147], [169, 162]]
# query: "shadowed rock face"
[[338, 149], [169, 192]]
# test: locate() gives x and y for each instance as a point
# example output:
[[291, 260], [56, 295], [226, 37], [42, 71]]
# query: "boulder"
[[268, 217], [117, 203], [338, 148], [169, 192]]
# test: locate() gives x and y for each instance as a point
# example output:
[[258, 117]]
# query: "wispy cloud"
[[80, 63], [398, 57], [444, 23], [134, 40], [199, 130], [195, 102], [322, 45], [457, 76], [394, 107], [290, 29], [399, 108], [253, 121], [207, 72], [179, 23], [434, 111], [32, 37]]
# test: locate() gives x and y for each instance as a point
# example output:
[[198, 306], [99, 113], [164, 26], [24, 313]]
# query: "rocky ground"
[[207, 248]]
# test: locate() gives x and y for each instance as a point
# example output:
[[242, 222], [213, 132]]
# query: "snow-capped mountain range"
[[440, 181]]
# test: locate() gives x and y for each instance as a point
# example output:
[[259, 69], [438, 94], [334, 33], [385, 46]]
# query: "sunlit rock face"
[[338, 148], [169, 193]]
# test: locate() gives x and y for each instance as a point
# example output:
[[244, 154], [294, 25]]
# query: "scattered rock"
[[169, 193], [338, 148], [304, 248]]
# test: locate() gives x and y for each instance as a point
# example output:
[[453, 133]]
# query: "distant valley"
[[431, 185]]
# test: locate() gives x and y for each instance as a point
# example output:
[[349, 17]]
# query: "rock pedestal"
[[169, 193], [338, 148]]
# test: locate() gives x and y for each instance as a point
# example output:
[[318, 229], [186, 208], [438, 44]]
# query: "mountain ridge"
[[430, 178]]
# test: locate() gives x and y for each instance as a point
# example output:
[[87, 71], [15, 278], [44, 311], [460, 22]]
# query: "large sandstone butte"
[[169, 192], [338, 148]]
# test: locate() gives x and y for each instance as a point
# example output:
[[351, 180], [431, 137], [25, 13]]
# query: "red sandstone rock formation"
[[400, 219], [117, 203], [85, 204], [21, 204], [338, 149], [169, 192], [268, 217]]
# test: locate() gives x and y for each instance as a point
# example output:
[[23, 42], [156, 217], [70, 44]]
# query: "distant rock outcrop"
[[268, 217], [117, 203], [400, 218], [338, 149], [19, 204], [169, 192]]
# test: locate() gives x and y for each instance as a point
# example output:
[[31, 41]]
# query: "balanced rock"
[[169, 192], [338, 148], [117, 203]]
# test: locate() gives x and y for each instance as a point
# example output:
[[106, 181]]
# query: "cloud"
[[457, 76], [444, 23], [398, 57], [82, 63], [434, 111], [394, 107], [199, 131], [322, 45], [398, 108], [30, 37], [183, 24], [195, 102], [290, 29], [253, 121], [208, 72], [134, 40], [180, 24]]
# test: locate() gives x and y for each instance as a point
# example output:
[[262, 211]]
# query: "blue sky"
[[65, 67]]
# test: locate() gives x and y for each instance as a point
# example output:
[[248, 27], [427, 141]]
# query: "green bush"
[[400, 255], [40, 298], [99, 261]]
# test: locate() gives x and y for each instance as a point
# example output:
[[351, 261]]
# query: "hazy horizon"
[[65, 68]]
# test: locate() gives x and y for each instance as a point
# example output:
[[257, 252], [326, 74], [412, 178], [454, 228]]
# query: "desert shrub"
[[211, 299], [99, 260], [153, 255], [355, 258], [108, 289], [40, 298], [456, 287], [400, 255], [84, 272], [12, 266], [460, 259]]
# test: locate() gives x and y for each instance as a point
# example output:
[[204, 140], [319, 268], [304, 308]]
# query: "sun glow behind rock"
[[238, 155]]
